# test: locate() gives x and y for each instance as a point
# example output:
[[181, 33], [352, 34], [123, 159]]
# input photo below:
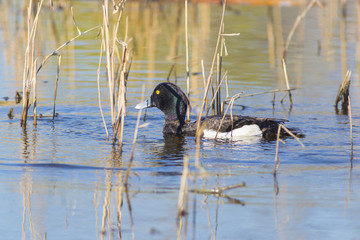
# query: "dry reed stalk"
[[297, 22], [55, 52], [171, 70], [215, 98], [351, 134], [241, 95], [204, 81], [230, 35], [198, 123], [277, 159], [287, 83], [102, 46], [200, 129], [29, 73], [187, 56], [56, 83], [217, 82], [218, 190], [121, 95], [134, 140], [117, 104], [231, 115], [198, 132], [109, 61], [219, 70], [343, 94], [203, 72], [34, 93]]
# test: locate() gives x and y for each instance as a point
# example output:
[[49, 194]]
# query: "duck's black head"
[[170, 99]]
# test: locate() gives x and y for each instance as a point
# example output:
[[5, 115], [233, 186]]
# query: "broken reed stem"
[[56, 83], [277, 159], [297, 22], [343, 93], [351, 134], [134, 140], [287, 82], [73, 17], [25, 108]]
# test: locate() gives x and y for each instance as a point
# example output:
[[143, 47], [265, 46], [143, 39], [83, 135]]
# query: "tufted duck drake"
[[172, 101]]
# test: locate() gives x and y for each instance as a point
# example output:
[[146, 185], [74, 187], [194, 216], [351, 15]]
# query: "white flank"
[[239, 133]]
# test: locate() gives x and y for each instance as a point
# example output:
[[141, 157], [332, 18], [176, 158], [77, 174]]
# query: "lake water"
[[63, 179]]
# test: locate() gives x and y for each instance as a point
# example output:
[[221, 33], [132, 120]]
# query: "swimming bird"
[[173, 102]]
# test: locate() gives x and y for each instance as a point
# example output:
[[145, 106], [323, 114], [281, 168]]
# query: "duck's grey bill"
[[146, 104]]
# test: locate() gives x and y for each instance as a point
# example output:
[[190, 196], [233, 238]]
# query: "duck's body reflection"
[[168, 151]]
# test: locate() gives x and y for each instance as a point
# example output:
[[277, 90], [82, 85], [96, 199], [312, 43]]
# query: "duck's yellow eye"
[[157, 92]]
